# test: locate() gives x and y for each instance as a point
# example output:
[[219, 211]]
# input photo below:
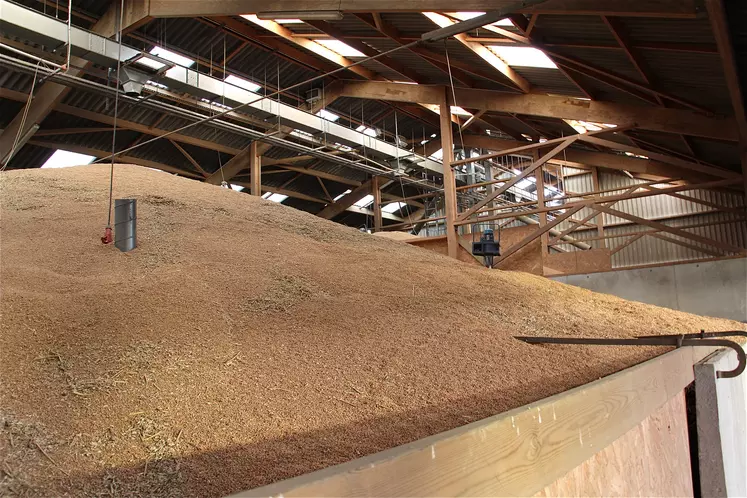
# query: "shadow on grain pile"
[[245, 342]]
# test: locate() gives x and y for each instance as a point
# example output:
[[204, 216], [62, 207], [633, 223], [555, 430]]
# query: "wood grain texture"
[[652, 459], [517, 453]]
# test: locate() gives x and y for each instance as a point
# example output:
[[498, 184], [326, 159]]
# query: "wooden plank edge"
[[515, 453]]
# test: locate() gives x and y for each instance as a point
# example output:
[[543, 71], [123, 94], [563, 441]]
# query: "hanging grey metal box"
[[125, 224]]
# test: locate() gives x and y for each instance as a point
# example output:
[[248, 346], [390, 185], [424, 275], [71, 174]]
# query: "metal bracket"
[[701, 339]]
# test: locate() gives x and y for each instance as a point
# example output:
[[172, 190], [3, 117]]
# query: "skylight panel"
[[465, 16], [392, 207], [340, 48], [367, 131], [170, 56], [587, 126], [459, 111], [329, 116], [523, 56], [242, 83], [153, 64], [279, 198], [365, 201], [65, 159]]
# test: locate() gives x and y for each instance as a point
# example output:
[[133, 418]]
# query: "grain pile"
[[245, 342]]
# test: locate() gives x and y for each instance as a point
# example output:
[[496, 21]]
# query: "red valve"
[[107, 238]]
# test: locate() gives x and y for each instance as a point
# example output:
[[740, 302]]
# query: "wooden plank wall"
[[652, 459], [517, 453]]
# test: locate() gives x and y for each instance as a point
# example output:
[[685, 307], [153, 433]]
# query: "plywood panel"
[[521, 451], [652, 459], [571, 263]]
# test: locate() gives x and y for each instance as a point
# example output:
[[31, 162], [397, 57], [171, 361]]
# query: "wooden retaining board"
[[517, 453]]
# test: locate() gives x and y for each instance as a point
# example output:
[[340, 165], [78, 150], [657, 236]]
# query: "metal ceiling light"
[[304, 15]]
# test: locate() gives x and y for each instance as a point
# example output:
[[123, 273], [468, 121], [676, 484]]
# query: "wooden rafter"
[[527, 171]]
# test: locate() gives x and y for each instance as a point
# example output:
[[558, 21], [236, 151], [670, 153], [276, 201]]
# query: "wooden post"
[[255, 166], [540, 176], [599, 220], [376, 192], [447, 145]]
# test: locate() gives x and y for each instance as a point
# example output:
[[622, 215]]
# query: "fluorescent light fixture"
[[65, 159], [242, 83], [303, 15], [288, 21], [392, 207], [157, 85], [523, 56], [342, 195], [329, 116], [365, 201], [367, 131], [170, 56], [340, 48]]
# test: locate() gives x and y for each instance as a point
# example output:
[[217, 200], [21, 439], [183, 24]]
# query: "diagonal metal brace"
[[698, 340]]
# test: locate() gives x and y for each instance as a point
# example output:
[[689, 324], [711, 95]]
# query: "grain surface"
[[245, 342]]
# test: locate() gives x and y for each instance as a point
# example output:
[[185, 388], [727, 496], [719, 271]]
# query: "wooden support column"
[[376, 193], [447, 143], [599, 220], [255, 166], [540, 178]]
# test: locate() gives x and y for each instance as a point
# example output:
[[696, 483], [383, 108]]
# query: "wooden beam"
[[483, 52], [346, 201], [600, 219], [459, 69], [71, 131], [194, 8], [136, 13], [312, 46], [255, 166], [675, 161], [589, 202], [376, 192], [189, 158], [232, 168], [616, 162], [679, 121], [125, 159], [626, 243], [358, 45], [674, 231], [720, 26], [527, 171], [539, 176], [450, 196], [686, 245], [538, 233]]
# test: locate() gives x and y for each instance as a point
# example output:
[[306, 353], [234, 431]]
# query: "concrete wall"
[[721, 417], [714, 288]]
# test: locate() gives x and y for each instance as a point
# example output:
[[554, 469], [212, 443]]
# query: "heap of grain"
[[245, 342]]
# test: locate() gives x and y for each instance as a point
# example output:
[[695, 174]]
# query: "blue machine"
[[487, 246]]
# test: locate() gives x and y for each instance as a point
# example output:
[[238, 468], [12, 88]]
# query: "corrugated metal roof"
[[562, 28]]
